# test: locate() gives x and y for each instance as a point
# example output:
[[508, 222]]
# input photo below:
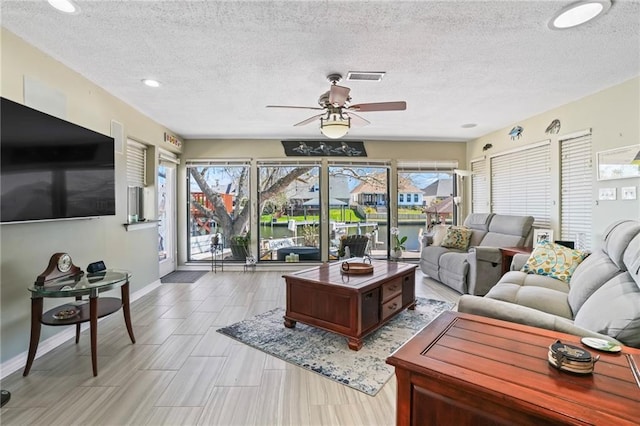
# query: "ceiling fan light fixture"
[[335, 125], [579, 13]]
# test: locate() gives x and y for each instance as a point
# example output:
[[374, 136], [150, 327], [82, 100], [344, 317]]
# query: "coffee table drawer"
[[392, 306], [391, 289]]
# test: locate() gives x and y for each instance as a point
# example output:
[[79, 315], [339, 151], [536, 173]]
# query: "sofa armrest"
[[518, 261], [486, 254], [512, 312], [485, 269]]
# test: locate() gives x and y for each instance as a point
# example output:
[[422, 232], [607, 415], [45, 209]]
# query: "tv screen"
[[52, 169]]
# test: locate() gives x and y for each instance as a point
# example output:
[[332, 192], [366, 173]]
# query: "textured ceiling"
[[493, 63]]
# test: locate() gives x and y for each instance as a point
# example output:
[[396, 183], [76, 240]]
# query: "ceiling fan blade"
[[357, 120], [308, 120], [338, 95], [380, 106], [296, 107]]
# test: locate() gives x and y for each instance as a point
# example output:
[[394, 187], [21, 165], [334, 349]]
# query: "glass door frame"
[[167, 212]]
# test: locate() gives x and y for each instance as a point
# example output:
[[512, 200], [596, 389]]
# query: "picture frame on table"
[[540, 235]]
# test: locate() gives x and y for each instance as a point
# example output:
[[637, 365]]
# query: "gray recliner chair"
[[479, 268]]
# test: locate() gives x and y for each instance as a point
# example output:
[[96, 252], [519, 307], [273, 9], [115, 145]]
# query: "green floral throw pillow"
[[554, 260], [457, 237]]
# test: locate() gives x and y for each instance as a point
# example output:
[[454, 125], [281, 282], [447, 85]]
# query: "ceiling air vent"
[[364, 76]]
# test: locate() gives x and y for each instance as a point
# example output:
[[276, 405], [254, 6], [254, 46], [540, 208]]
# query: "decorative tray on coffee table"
[[356, 268]]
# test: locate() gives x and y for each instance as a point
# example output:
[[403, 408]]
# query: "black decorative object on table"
[[96, 267]]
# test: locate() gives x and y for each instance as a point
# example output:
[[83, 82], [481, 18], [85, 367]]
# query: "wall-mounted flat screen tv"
[[52, 169]]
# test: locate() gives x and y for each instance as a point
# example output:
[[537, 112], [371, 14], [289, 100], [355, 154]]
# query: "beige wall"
[[25, 249], [613, 115]]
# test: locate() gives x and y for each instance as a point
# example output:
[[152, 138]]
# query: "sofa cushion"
[[617, 238], [439, 231], [631, 259], [553, 260], [508, 231], [479, 222], [430, 260], [589, 276], [453, 270], [614, 310], [457, 237], [513, 225], [537, 292]]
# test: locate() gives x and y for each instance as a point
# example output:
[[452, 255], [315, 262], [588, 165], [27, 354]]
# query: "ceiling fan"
[[338, 114]]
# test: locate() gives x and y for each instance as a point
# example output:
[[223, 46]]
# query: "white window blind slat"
[[136, 164], [576, 189], [521, 184], [479, 187]]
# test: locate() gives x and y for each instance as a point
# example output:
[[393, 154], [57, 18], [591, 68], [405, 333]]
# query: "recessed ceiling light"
[[579, 13], [66, 6], [468, 125], [151, 83]]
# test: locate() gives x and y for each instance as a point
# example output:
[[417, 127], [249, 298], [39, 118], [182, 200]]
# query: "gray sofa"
[[477, 269], [602, 299]]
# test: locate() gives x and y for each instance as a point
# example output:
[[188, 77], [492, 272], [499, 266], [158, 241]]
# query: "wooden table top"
[[510, 360], [331, 274]]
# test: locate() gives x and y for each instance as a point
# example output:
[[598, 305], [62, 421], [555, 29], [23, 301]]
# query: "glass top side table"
[[78, 312]]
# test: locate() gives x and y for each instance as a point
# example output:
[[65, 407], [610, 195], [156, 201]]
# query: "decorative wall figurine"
[[487, 146], [318, 148], [516, 132], [553, 128]]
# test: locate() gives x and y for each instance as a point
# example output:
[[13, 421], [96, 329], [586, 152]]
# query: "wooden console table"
[[89, 310], [464, 369]]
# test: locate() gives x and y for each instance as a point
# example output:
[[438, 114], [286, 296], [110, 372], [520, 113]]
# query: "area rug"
[[327, 353], [182, 277]]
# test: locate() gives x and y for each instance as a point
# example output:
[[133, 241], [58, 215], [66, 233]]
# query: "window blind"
[[521, 183], [576, 190], [166, 157], [136, 163], [479, 187], [427, 166]]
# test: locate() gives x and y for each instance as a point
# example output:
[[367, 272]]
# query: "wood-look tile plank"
[[182, 309], [213, 344], [196, 323], [172, 354], [117, 371], [174, 416], [76, 406], [21, 416], [193, 383], [156, 333], [134, 401], [243, 368]]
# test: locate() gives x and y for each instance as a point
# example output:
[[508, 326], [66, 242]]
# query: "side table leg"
[[125, 309], [78, 298], [36, 325], [93, 320]]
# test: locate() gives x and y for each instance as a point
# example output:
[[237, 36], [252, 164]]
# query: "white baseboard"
[[19, 361]]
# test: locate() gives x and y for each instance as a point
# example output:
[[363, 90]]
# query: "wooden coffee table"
[[350, 305], [464, 369]]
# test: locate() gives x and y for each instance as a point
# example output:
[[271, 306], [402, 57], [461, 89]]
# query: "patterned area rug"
[[182, 277], [327, 353]]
